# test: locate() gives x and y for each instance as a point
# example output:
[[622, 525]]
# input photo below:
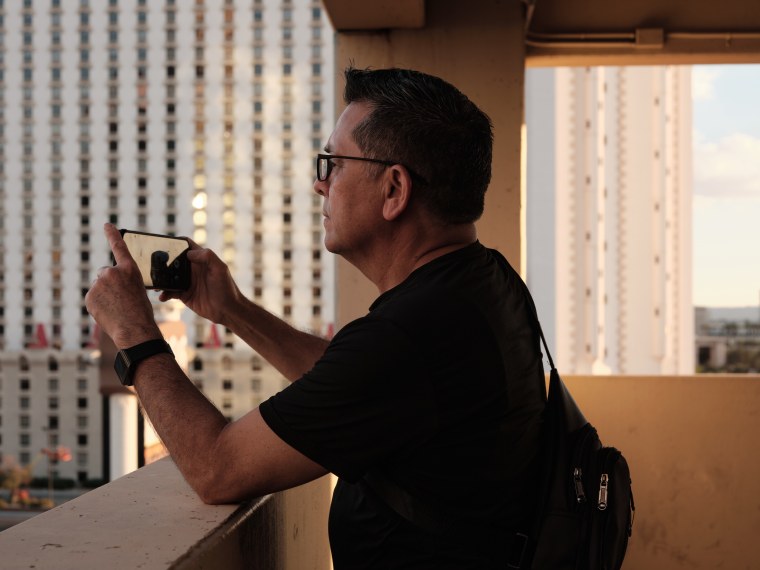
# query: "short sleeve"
[[366, 401]]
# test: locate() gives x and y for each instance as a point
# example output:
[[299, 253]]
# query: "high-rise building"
[[197, 118], [609, 217]]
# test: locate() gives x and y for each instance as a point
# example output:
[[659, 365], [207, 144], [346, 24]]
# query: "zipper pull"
[[580, 496], [603, 484]]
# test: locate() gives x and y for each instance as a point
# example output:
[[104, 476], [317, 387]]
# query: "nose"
[[321, 187]]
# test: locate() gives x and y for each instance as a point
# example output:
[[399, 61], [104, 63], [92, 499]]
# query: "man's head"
[[431, 128]]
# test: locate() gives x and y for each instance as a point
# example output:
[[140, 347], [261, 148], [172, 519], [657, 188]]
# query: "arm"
[[222, 462], [291, 351], [214, 295]]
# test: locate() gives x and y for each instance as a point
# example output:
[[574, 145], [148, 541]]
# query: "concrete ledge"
[[693, 447], [152, 519], [691, 443]]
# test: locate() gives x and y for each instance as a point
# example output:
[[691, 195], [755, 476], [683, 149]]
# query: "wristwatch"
[[127, 359]]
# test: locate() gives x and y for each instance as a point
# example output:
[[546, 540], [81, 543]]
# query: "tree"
[[13, 476]]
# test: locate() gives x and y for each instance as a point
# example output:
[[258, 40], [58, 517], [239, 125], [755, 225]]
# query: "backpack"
[[585, 507]]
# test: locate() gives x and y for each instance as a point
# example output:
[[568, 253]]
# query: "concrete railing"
[[151, 519], [692, 444]]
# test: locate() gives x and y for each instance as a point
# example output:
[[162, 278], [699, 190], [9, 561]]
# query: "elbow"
[[214, 492], [207, 485], [213, 498], [218, 488]]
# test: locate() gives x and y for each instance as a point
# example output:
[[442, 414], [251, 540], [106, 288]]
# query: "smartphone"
[[162, 259]]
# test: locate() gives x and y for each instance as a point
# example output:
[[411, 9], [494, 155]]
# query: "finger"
[[167, 295], [119, 248], [198, 255], [193, 245]]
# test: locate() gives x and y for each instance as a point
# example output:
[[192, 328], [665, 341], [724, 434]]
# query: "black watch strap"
[[127, 359]]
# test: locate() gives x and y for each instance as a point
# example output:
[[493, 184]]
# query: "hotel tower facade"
[[609, 189], [197, 118]]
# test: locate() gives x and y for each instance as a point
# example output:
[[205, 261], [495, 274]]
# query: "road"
[[11, 517]]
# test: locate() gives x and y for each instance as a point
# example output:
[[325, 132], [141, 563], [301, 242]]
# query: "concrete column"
[[122, 434], [477, 46]]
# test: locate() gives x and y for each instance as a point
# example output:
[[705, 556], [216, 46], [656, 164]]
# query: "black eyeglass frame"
[[329, 165]]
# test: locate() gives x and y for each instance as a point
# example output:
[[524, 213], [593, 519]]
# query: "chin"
[[329, 243], [332, 248]]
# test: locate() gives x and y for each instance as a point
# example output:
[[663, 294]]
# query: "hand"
[[117, 299], [213, 293]]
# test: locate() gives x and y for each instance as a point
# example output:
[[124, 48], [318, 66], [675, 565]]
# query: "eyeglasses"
[[325, 165]]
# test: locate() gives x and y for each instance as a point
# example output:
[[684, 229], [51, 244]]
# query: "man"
[[435, 396]]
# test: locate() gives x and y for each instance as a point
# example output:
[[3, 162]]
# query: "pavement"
[[11, 517]]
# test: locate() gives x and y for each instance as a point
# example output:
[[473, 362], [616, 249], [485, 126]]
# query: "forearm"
[[223, 462], [291, 351], [187, 423]]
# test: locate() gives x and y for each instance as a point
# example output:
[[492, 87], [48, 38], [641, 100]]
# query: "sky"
[[726, 224]]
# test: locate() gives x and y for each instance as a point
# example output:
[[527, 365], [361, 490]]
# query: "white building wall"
[[609, 217], [13, 208], [681, 349], [544, 202], [32, 394], [69, 201], [100, 95]]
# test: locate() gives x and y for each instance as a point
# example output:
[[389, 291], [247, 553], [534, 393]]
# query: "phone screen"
[[162, 260]]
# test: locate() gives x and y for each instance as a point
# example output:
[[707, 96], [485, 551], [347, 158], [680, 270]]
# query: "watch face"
[[122, 369], [128, 358]]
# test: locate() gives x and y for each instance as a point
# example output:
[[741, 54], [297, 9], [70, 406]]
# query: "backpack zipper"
[[587, 432], [607, 461], [603, 483], [580, 495]]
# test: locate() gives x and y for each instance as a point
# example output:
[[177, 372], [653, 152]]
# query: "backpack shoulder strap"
[[432, 519], [531, 304]]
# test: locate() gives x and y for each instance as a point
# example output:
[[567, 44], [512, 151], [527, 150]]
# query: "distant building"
[[727, 340], [191, 118], [609, 217]]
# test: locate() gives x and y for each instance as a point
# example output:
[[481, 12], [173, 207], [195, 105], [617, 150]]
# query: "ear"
[[397, 191]]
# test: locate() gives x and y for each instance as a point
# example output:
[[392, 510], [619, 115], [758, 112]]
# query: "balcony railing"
[[151, 519], [692, 444]]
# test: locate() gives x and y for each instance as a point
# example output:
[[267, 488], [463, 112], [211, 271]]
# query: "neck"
[[406, 253], [465, 237]]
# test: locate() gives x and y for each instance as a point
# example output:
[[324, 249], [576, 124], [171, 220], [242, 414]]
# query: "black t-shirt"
[[440, 388]]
